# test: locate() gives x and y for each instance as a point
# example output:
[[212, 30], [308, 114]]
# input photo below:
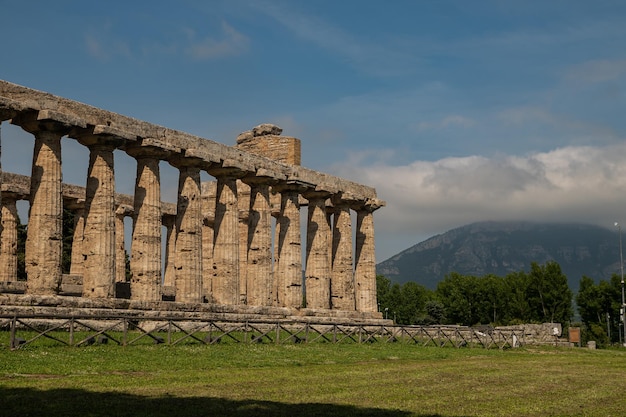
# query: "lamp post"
[[622, 310]]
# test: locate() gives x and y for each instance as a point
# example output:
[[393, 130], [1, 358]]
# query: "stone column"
[[259, 239], [169, 274], [45, 220], [342, 280], [121, 213], [77, 261], [145, 259], [365, 258], [99, 236], [288, 248], [188, 258], [8, 237], [209, 190], [243, 204], [225, 276], [317, 275]]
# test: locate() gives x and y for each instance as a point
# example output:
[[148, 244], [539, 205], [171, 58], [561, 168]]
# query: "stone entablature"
[[78, 117], [219, 234]]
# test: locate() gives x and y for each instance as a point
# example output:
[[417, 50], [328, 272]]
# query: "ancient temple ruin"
[[233, 244]]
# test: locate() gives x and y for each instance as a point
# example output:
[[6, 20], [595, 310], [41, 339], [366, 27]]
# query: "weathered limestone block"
[[342, 280], [265, 140], [288, 258], [8, 237], [188, 259], [317, 275], [99, 234], [365, 260]]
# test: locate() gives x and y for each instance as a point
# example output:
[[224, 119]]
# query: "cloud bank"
[[570, 184]]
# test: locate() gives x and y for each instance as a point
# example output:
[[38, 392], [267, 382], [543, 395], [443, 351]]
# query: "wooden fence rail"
[[19, 331]]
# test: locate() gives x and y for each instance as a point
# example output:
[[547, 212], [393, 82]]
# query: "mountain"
[[501, 247]]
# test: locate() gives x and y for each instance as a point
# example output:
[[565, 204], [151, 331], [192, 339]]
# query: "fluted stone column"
[[225, 277], [342, 280], [8, 237], [99, 236], [288, 245], [169, 272], [259, 238], [243, 204], [77, 261], [209, 190], [145, 259], [318, 268], [188, 259], [365, 258], [121, 213], [45, 221]]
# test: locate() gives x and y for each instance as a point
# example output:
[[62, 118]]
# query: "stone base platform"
[[63, 306]]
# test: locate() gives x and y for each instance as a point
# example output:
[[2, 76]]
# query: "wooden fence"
[[18, 332]]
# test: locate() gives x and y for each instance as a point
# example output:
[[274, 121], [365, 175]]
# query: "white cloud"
[[570, 184], [597, 71], [105, 50], [231, 43]]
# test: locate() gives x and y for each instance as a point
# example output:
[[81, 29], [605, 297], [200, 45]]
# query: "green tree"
[[494, 299], [518, 308], [549, 295], [589, 301], [460, 295]]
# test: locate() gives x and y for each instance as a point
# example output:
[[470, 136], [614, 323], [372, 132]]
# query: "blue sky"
[[456, 111]]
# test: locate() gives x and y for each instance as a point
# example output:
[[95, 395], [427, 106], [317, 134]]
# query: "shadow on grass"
[[73, 402]]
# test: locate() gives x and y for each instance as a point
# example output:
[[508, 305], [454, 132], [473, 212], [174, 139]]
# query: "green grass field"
[[316, 379]]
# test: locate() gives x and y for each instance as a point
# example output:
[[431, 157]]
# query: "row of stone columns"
[[206, 256]]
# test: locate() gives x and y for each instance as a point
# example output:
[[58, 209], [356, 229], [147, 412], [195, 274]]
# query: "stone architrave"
[[121, 213], [225, 276], [188, 258], [145, 259], [99, 233], [169, 271], [288, 246], [365, 258], [77, 260], [259, 243], [45, 221], [318, 268], [8, 237], [342, 277]]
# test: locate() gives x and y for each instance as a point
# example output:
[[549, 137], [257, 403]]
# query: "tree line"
[[540, 295]]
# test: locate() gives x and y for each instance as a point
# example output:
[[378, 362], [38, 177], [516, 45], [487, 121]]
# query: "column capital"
[[182, 161], [48, 120], [219, 171], [9, 108], [369, 205], [124, 210], [139, 151], [101, 135], [291, 185], [316, 194], [262, 178]]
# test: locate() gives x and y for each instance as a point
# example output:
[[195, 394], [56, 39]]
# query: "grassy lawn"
[[316, 379]]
